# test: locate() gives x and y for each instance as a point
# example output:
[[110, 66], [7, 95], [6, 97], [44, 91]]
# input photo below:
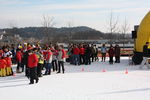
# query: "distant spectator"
[[117, 54], [111, 54], [82, 55], [61, 59], [88, 53], [76, 52], [103, 52], [48, 61], [18, 59]]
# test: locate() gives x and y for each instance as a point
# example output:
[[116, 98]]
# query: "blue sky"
[[92, 13]]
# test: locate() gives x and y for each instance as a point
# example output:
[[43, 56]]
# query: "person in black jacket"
[[25, 62], [88, 52], [117, 53], [145, 56], [111, 54]]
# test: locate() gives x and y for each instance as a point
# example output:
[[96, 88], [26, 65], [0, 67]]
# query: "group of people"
[[85, 54], [33, 59], [82, 54], [36, 60], [5, 62]]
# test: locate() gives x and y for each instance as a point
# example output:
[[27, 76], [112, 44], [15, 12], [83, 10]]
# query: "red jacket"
[[55, 52], [1, 53], [19, 56], [48, 55], [32, 61], [63, 53], [44, 53], [82, 51], [76, 51], [3, 63], [8, 60]]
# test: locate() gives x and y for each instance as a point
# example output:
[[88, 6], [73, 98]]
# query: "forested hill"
[[41, 32]]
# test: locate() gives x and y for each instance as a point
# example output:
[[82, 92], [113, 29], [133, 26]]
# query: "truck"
[[141, 35]]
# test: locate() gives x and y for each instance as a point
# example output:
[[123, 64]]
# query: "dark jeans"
[[103, 56], [87, 59], [27, 72], [71, 59], [55, 65], [33, 74], [82, 59], [22, 66], [96, 56], [92, 57], [111, 59], [18, 65], [117, 59], [76, 60], [61, 65], [48, 68], [39, 70]]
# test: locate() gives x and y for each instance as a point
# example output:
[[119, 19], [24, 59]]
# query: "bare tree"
[[48, 22], [113, 25], [70, 25], [124, 30]]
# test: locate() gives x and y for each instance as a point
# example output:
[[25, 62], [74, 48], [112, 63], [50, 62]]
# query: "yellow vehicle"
[[143, 36]]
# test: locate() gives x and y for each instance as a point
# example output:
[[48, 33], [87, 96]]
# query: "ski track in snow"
[[75, 84]]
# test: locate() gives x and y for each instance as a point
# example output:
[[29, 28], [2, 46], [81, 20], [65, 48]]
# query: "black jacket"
[[146, 52]]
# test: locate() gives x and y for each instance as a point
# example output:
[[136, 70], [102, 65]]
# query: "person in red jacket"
[[111, 54], [54, 59], [61, 59], [32, 64], [82, 55], [76, 52], [18, 59], [1, 52], [48, 62], [9, 70]]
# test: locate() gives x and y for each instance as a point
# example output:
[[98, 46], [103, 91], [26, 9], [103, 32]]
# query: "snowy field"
[[82, 83]]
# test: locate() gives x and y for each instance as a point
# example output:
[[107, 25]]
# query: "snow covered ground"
[[76, 84]]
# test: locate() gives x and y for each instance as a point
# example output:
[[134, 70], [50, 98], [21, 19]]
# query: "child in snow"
[[3, 64], [9, 70], [7, 56]]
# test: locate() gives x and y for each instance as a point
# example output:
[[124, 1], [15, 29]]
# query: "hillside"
[[41, 32]]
